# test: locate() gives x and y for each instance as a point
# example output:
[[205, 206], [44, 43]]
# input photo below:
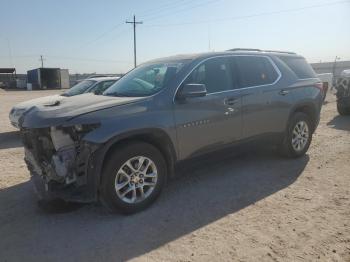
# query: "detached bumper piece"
[[61, 164]]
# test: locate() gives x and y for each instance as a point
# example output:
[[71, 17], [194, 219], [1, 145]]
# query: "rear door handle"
[[283, 92], [230, 101]]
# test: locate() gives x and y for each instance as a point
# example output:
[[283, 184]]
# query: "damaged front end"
[[61, 162]]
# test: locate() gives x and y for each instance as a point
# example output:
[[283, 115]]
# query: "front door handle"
[[230, 101], [283, 92]]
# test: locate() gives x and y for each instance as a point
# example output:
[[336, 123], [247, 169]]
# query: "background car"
[[91, 85], [343, 93]]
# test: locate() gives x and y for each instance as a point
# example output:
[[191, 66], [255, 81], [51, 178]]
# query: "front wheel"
[[133, 178], [298, 136]]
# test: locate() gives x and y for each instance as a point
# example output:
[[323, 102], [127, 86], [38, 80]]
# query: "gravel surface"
[[253, 206]]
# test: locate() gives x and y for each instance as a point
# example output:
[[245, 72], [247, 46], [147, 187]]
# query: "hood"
[[55, 112], [38, 101]]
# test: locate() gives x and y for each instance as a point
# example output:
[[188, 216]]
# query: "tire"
[[343, 110], [287, 147], [117, 172]]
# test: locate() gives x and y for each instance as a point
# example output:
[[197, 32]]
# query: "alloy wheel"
[[300, 136], [136, 179]]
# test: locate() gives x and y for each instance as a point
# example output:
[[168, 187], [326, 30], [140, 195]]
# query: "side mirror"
[[192, 90]]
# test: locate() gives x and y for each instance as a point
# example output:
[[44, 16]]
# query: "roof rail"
[[283, 52], [97, 76], [259, 50], [245, 49]]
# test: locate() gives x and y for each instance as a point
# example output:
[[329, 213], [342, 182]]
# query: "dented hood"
[[56, 111], [38, 101]]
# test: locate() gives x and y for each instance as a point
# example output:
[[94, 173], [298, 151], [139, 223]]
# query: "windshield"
[[145, 80], [79, 88]]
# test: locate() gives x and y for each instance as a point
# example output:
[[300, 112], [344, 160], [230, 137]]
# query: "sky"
[[92, 36]]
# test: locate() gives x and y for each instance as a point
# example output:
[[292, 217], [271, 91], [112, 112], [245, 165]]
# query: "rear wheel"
[[342, 110], [298, 136], [133, 178]]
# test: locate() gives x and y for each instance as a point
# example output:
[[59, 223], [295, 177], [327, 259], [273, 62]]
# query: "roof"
[[259, 50], [7, 70], [105, 78], [238, 51]]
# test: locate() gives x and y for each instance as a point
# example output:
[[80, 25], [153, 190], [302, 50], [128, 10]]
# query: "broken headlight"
[[85, 128], [67, 136]]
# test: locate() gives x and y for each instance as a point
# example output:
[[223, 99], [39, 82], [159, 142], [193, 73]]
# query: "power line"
[[165, 7], [101, 36], [88, 59], [188, 8], [249, 16], [134, 22], [69, 58], [170, 5]]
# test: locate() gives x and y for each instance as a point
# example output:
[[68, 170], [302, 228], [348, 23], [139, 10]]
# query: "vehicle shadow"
[[10, 140], [340, 122], [202, 193]]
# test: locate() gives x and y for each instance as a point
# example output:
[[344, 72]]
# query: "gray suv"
[[120, 147]]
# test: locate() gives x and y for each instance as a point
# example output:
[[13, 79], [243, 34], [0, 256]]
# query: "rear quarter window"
[[299, 66], [255, 71]]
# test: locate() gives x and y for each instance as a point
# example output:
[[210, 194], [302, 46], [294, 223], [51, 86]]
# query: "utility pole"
[[42, 61], [334, 65], [134, 24]]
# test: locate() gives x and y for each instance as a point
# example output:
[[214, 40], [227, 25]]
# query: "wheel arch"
[[156, 137], [309, 109]]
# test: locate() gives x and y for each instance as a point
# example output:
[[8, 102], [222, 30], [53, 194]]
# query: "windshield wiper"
[[115, 94]]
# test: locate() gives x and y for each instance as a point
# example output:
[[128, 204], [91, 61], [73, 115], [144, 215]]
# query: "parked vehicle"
[[120, 147], [327, 81], [343, 93], [96, 85]]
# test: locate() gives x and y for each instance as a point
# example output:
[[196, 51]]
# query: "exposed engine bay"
[[62, 151], [58, 156]]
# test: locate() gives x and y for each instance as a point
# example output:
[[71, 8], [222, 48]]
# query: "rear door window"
[[299, 66], [253, 71], [214, 74]]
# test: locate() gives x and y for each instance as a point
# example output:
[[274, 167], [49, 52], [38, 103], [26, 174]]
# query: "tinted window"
[[80, 88], [214, 74], [299, 66], [102, 86], [255, 71]]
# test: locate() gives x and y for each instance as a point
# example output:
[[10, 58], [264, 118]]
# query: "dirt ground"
[[254, 206]]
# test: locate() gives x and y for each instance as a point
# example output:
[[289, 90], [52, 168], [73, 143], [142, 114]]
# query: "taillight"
[[319, 85]]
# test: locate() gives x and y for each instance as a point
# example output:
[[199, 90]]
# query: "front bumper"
[[50, 191]]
